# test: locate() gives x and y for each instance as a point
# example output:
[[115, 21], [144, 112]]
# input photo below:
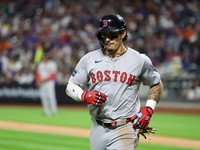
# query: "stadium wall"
[[172, 96]]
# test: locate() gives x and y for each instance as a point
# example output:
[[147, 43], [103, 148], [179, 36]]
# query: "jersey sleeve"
[[150, 75], [80, 75]]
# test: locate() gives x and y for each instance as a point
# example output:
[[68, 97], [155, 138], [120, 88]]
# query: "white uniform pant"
[[120, 138], [48, 98]]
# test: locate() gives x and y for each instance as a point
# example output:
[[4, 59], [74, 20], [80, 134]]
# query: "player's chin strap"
[[102, 45], [101, 42]]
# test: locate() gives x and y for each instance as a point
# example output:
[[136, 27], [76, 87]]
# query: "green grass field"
[[166, 124], [21, 140]]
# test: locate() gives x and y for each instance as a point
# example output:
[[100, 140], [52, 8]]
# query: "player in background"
[[45, 81], [108, 79]]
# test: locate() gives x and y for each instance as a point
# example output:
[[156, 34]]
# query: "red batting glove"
[[143, 117], [94, 97]]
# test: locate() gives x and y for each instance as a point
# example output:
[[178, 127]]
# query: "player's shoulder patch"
[[74, 73]]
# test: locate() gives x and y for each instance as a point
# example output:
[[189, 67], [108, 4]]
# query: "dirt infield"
[[180, 142]]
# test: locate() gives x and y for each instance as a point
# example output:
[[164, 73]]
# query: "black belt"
[[104, 124], [112, 123]]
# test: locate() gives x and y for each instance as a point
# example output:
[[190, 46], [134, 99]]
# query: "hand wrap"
[[94, 97]]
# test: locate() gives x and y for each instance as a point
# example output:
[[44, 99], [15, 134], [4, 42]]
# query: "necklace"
[[117, 54]]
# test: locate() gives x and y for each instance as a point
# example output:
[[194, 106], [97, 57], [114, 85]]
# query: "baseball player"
[[45, 80], [108, 79]]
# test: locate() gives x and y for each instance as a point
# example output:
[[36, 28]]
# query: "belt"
[[113, 123]]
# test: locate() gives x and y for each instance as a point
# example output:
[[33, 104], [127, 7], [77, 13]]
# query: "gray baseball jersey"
[[118, 78], [47, 89]]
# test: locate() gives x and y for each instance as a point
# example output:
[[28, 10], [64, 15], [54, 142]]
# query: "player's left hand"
[[143, 118]]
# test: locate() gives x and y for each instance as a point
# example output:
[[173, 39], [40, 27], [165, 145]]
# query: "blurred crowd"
[[168, 31]]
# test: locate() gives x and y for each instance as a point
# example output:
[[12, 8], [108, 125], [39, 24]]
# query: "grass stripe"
[[39, 139], [20, 140], [144, 146], [178, 125], [65, 117]]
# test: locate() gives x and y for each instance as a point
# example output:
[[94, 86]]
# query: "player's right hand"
[[94, 97]]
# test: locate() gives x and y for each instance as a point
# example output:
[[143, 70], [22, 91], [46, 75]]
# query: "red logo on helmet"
[[105, 23]]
